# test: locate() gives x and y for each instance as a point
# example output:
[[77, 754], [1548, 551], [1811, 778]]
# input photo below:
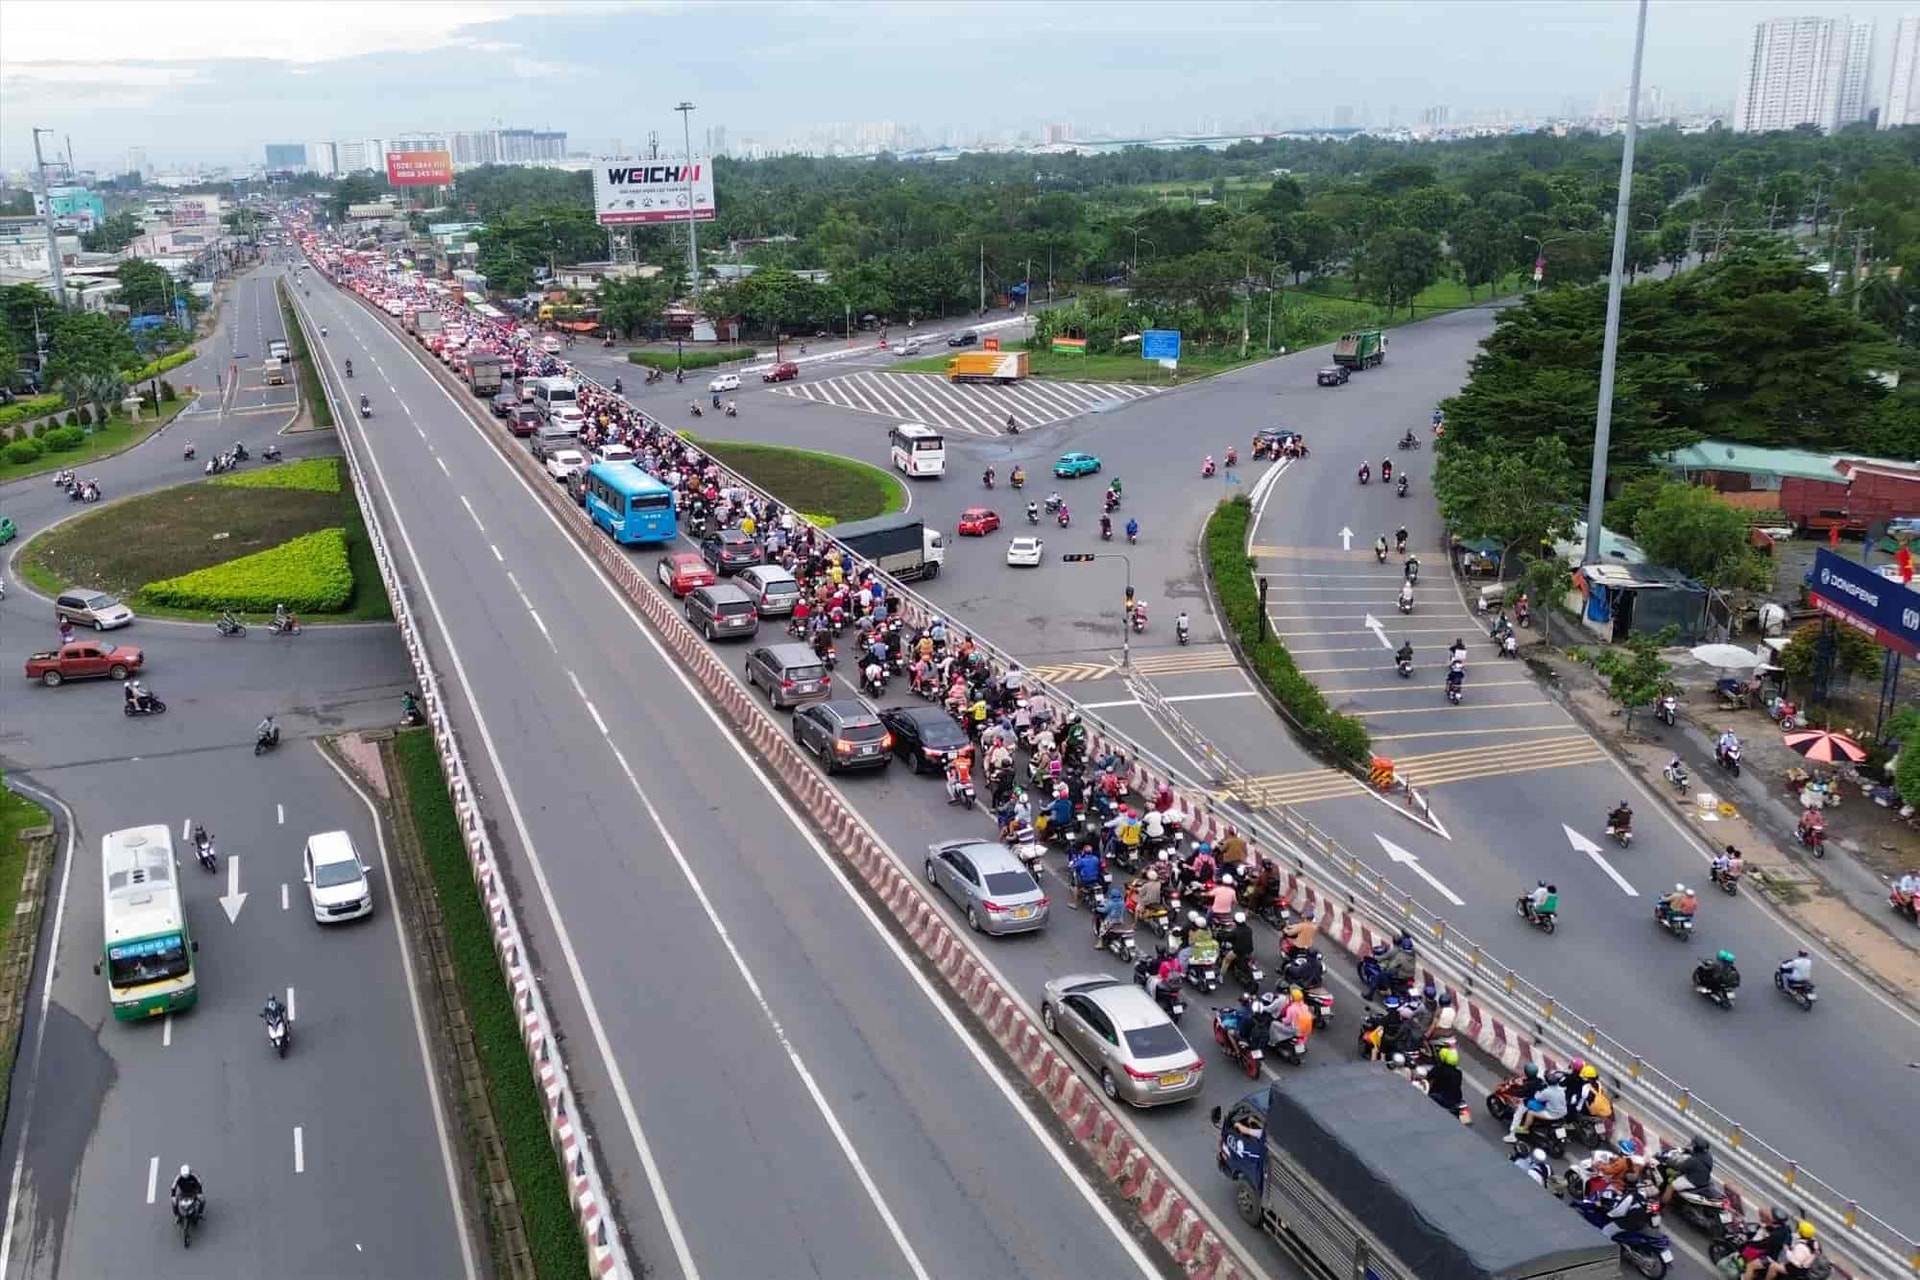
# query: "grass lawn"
[[118, 434], [546, 1206], [17, 813], [310, 391], [122, 547], [822, 485]]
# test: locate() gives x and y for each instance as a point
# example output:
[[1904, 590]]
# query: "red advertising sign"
[[419, 168]]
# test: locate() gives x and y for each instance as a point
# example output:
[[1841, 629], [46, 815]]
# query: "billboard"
[[420, 168], [630, 193], [1889, 611]]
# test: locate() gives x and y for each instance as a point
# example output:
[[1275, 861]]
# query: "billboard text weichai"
[[631, 192], [419, 168]]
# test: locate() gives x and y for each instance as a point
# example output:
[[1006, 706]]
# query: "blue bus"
[[629, 504]]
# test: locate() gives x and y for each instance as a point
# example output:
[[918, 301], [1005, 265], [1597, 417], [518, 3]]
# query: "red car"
[[786, 371], [684, 571], [978, 522]]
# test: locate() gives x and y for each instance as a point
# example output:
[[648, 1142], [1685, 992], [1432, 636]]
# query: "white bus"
[[917, 450], [148, 951], [550, 393]]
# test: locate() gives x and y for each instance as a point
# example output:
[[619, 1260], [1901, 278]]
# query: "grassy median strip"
[[316, 399], [540, 1185], [706, 358], [821, 485], [1231, 570], [20, 933]]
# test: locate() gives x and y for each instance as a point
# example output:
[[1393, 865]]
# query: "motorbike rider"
[[1533, 1163], [1727, 865], [366, 406], [1799, 1255], [1548, 1106], [1457, 652], [185, 1190], [1306, 969], [1544, 901], [1798, 972], [1445, 1083], [1728, 741], [1620, 817], [1812, 826], [1456, 674], [1412, 568], [988, 477], [1106, 526], [1406, 597], [1168, 972], [1019, 477], [1133, 529], [959, 774], [1719, 973], [1366, 473], [267, 731], [1182, 625], [1239, 944], [1386, 470], [1400, 540], [1404, 654], [1206, 468], [274, 1010], [1112, 918], [1693, 1171], [1680, 902], [1380, 548], [1299, 935], [1033, 513], [1086, 868], [1398, 964]]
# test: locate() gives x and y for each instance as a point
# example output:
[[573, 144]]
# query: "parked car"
[[730, 551], [844, 733], [1124, 1035], [790, 673], [682, 571], [725, 382], [94, 609], [84, 660], [338, 887], [785, 371], [964, 338], [1076, 464], [1334, 375], [925, 736], [978, 522], [990, 884]]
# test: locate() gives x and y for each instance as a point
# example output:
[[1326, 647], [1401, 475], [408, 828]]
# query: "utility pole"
[[1861, 239], [53, 241], [1026, 301], [1610, 349], [983, 277], [1049, 275], [693, 235], [1246, 304], [1270, 309]]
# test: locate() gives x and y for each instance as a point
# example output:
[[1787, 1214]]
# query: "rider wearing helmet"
[[1693, 1171], [185, 1189]]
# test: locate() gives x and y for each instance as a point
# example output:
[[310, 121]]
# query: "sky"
[[215, 80]]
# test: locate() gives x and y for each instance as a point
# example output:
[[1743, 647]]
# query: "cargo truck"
[[276, 371], [483, 372], [899, 545], [1003, 367], [428, 324], [1356, 1173], [1360, 349]]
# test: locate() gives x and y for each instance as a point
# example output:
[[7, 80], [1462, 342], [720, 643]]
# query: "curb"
[[23, 945]]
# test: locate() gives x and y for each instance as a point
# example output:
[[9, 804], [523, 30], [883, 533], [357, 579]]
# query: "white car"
[[563, 464], [566, 415], [725, 382], [337, 883], [613, 453], [1025, 551]]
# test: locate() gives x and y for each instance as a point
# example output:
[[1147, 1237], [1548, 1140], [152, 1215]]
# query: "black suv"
[[964, 338], [729, 551], [844, 733], [926, 737]]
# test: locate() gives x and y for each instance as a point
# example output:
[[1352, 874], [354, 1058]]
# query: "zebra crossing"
[[975, 408], [1178, 662]]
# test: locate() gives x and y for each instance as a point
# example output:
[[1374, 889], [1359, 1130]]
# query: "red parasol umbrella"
[[1823, 747]]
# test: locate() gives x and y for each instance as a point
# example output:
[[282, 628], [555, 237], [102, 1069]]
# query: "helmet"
[[1406, 942], [1805, 1230], [185, 1172], [1379, 950], [1239, 917], [1802, 953], [1726, 957], [1532, 1071], [1202, 847], [1553, 888], [1576, 1065], [1679, 888], [1430, 991], [1698, 1146], [1445, 998], [1776, 1213], [1589, 1072], [1537, 1156], [1399, 1060], [1294, 993], [1628, 1147], [1450, 1056]]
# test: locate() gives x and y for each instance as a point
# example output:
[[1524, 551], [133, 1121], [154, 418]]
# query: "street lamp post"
[[686, 110]]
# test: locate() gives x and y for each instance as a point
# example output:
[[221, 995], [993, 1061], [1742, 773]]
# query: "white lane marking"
[[1411, 861], [186, 828], [417, 431], [153, 1178], [592, 711], [166, 1032], [1592, 850], [443, 466], [1180, 697], [290, 1017], [299, 1150], [515, 584], [496, 553], [419, 1032], [989, 1069], [473, 513], [283, 895], [535, 615], [281, 809], [800, 1068]]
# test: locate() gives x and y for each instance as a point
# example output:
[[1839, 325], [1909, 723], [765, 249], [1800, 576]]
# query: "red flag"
[[1833, 537], [1904, 558]]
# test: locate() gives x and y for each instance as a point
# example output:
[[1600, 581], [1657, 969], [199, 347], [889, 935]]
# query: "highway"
[[750, 1043], [332, 1162], [1504, 807]]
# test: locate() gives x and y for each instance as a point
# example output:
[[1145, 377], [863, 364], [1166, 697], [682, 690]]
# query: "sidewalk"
[[1840, 899]]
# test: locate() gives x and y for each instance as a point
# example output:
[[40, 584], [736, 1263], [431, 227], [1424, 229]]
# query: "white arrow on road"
[[232, 900], [1346, 538], [1592, 850], [1412, 863], [1373, 624]]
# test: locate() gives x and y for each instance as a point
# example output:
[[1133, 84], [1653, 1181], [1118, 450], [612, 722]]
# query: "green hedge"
[[31, 407], [1232, 572], [667, 361], [161, 365], [21, 452], [317, 475], [63, 440], [310, 574]]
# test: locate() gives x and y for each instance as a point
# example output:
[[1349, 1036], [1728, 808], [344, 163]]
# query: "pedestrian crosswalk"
[[976, 408], [1179, 662], [1470, 764]]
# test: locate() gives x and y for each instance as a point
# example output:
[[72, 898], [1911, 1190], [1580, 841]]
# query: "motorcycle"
[[1650, 1252], [1376, 981], [279, 1033], [1801, 993], [1365, 475], [1406, 604], [873, 685], [1247, 972], [1814, 838], [1061, 517], [1677, 923], [1541, 920], [1728, 880], [284, 626], [1380, 554], [1119, 943], [1239, 1032], [145, 705], [1729, 758], [1033, 515], [1676, 773], [366, 407], [1400, 489], [1413, 574], [1722, 996], [1182, 631], [1409, 441], [1139, 618], [1455, 692], [187, 1212], [1018, 479], [1909, 907], [271, 453], [1663, 710], [1106, 529], [186, 454], [203, 850], [267, 741], [1703, 1208], [733, 410], [987, 479], [961, 793], [1405, 667], [1168, 995], [1206, 470], [1621, 835]]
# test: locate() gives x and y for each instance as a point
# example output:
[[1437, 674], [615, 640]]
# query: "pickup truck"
[[84, 660]]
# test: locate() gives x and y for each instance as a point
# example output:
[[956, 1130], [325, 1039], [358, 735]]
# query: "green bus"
[[148, 951]]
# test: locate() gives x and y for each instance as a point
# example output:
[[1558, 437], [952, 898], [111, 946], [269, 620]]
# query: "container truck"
[[1360, 349], [1003, 367], [428, 324], [1357, 1173], [483, 372], [899, 545]]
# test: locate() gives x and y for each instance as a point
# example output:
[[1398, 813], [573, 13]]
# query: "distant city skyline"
[[186, 86]]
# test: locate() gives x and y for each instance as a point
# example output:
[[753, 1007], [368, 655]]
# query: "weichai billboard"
[[633, 192]]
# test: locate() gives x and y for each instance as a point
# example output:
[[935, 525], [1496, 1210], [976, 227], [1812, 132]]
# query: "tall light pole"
[[1610, 348], [693, 236], [53, 241]]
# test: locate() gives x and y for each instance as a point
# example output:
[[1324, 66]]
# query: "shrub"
[[72, 419], [1232, 573], [667, 361], [161, 365], [166, 390], [63, 440], [319, 475], [310, 574], [86, 415], [21, 452], [40, 428], [31, 407]]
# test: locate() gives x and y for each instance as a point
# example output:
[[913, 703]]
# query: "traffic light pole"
[[1126, 614]]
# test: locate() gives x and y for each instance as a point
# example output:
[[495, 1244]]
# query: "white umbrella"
[[1731, 656]]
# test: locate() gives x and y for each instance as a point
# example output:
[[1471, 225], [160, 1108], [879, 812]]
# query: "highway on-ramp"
[[773, 1086]]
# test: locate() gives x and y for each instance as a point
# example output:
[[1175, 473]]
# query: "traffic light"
[[1076, 557]]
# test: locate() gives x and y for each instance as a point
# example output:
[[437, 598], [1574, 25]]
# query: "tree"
[[1517, 499], [1546, 582], [1853, 653], [86, 350], [1396, 264], [630, 305], [1480, 247], [1639, 675], [1695, 531], [1676, 241], [357, 188], [1310, 241], [1430, 208], [145, 289], [111, 236], [29, 312]]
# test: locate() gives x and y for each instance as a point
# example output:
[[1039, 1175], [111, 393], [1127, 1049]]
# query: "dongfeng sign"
[[1887, 610], [630, 192]]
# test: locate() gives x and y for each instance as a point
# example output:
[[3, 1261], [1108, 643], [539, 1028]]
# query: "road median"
[[26, 868]]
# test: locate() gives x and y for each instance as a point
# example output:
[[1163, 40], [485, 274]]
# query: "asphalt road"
[[746, 1038], [1504, 812], [99, 1107]]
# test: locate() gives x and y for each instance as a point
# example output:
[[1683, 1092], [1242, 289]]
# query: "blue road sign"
[[1889, 611], [1160, 344]]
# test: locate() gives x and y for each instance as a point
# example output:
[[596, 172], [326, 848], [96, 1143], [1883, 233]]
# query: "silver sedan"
[[1125, 1036], [992, 887]]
